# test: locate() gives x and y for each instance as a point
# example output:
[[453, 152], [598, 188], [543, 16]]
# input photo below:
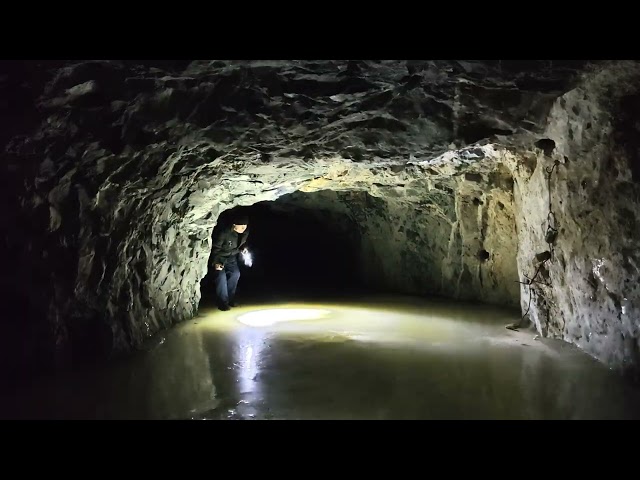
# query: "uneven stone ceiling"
[[116, 173]]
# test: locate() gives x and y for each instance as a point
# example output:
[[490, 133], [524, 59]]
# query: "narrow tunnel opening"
[[301, 247], [327, 244]]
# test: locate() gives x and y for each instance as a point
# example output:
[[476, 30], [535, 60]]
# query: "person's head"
[[240, 224]]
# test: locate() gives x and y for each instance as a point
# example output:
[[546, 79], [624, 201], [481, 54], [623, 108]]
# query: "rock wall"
[[457, 243], [590, 295]]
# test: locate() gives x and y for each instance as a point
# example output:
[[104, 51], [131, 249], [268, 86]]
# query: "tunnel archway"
[[298, 249], [318, 241]]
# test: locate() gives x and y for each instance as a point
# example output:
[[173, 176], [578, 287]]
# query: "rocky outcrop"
[[114, 193], [585, 173]]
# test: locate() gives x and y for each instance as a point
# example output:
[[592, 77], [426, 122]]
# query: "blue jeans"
[[227, 281]]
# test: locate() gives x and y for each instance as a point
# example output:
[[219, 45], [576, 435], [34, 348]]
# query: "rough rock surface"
[[117, 172], [590, 290], [414, 244]]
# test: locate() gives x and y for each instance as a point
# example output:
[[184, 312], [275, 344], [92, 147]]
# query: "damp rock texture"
[[115, 174], [585, 170]]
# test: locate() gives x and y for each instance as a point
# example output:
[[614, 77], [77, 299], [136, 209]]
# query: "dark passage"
[[297, 253]]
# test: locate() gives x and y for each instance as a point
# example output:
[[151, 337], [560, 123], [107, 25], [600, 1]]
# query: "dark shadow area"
[[627, 132], [295, 255]]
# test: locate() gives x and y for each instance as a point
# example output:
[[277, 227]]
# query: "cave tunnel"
[[399, 216], [296, 252]]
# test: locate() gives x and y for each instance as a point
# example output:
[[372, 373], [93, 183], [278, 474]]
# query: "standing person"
[[227, 244]]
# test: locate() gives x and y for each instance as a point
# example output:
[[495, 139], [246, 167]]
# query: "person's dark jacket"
[[227, 243]]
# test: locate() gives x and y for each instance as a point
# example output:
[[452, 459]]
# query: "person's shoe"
[[233, 304], [224, 308]]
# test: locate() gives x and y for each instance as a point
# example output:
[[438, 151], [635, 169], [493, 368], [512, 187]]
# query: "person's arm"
[[216, 250]]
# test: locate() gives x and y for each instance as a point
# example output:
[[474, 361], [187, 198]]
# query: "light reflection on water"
[[383, 358]]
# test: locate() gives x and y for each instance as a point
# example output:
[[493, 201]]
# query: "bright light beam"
[[263, 318]]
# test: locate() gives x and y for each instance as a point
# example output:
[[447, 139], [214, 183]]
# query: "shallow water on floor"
[[371, 358]]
